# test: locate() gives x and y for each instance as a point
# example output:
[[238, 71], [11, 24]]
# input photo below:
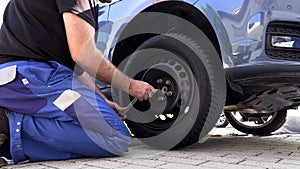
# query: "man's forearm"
[[96, 64]]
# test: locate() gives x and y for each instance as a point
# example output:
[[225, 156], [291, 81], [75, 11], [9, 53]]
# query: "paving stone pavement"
[[225, 148]]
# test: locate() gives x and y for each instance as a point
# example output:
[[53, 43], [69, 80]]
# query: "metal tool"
[[128, 107], [158, 96]]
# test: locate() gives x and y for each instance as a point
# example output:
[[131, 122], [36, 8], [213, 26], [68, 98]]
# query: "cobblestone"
[[221, 150]]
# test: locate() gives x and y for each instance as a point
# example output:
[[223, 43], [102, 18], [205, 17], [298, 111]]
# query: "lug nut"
[[159, 81], [168, 82], [169, 93], [164, 89]]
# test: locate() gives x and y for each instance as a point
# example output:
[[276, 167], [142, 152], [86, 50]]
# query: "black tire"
[[274, 123], [198, 88], [222, 121]]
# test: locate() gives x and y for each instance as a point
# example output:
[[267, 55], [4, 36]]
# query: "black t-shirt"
[[34, 29]]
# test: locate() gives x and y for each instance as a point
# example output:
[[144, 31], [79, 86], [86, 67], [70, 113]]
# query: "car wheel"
[[256, 124], [222, 121], [191, 96]]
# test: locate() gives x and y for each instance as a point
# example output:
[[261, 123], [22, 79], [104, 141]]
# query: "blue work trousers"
[[56, 117]]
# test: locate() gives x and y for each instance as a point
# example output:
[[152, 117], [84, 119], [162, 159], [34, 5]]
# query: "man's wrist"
[[129, 85], [121, 81]]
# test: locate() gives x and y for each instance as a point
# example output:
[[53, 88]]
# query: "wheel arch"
[[184, 10]]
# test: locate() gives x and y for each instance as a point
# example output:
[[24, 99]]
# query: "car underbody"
[[264, 88]]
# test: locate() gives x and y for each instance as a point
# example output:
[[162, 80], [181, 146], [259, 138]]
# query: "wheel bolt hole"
[[184, 94], [185, 84], [182, 74], [178, 67], [172, 63]]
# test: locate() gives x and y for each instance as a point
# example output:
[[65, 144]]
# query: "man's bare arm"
[[80, 35]]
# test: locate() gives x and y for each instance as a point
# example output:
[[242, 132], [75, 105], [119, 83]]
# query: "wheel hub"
[[171, 80]]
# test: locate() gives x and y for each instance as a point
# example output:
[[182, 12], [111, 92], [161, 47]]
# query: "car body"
[[241, 28], [256, 41]]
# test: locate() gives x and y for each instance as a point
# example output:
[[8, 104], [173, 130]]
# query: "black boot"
[[4, 127], [4, 135], [5, 149]]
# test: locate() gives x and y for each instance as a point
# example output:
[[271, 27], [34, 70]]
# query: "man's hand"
[[103, 1], [141, 90]]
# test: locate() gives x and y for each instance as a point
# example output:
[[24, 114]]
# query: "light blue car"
[[204, 56]]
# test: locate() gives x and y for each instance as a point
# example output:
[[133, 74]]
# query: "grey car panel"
[[239, 25]]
